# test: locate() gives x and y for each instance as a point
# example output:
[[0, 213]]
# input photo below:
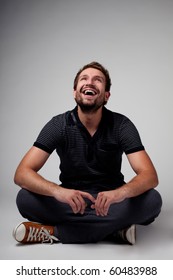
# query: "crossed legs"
[[88, 228]]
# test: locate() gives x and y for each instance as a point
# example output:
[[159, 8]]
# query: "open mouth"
[[89, 92]]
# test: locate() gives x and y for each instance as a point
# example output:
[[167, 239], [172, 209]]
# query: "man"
[[92, 203]]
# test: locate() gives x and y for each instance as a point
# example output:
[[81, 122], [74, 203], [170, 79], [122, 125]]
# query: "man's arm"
[[146, 178], [27, 177]]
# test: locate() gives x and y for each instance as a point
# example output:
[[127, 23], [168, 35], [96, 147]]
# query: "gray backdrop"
[[42, 46]]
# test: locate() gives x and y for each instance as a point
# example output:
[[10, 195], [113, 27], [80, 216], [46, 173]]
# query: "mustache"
[[90, 86]]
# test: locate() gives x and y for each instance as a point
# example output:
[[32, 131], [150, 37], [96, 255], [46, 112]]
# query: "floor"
[[154, 242]]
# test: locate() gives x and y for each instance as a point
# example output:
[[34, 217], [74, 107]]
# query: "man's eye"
[[99, 79]]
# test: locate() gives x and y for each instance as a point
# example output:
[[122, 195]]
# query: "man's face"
[[90, 92]]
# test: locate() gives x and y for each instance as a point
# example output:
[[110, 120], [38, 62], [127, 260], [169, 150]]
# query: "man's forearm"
[[140, 184], [34, 182]]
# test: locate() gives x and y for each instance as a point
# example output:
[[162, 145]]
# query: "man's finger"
[[87, 195], [81, 204]]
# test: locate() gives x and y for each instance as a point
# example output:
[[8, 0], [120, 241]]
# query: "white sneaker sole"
[[131, 234]]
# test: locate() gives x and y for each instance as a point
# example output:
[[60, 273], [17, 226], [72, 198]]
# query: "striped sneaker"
[[31, 232]]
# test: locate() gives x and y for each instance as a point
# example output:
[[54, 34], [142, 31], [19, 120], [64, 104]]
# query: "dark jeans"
[[88, 228]]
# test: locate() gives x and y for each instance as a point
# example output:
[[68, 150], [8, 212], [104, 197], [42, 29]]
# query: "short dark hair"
[[97, 66]]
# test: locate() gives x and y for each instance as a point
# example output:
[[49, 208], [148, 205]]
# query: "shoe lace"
[[40, 234]]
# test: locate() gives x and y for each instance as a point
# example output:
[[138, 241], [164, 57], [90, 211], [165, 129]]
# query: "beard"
[[89, 108]]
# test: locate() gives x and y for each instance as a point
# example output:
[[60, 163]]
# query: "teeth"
[[89, 92]]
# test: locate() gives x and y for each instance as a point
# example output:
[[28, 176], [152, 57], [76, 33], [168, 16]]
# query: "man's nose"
[[90, 81]]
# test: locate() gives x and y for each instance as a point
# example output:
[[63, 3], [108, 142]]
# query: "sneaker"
[[31, 232], [128, 235]]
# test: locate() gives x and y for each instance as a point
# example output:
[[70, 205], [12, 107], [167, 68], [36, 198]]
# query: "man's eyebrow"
[[83, 75], [100, 77], [96, 76]]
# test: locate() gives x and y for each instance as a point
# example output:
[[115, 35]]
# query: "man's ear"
[[74, 93], [107, 95]]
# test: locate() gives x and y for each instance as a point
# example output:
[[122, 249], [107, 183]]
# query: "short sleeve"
[[130, 140], [50, 136]]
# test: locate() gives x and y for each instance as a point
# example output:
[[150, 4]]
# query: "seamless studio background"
[[43, 43]]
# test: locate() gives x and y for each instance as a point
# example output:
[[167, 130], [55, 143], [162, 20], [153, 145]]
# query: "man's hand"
[[105, 199], [74, 198]]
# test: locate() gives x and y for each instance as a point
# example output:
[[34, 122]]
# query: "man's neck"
[[90, 120]]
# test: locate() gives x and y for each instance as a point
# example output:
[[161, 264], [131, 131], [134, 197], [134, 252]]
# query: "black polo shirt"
[[90, 162]]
